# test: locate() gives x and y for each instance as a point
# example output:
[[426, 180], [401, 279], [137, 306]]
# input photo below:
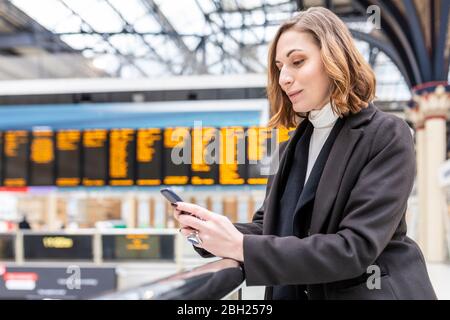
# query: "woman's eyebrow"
[[289, 53]]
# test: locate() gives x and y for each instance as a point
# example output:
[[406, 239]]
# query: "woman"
[[332, 225]]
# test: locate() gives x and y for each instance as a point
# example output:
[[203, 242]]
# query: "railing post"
[[19, 248]]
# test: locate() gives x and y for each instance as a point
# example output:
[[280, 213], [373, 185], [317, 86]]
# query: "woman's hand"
[[218, 235]]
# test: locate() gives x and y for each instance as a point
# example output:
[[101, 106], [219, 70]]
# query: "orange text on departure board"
[[119, 142], [232, 150], [68, 140], [13, 139], [146, 140], [42, 147], [94, 138]]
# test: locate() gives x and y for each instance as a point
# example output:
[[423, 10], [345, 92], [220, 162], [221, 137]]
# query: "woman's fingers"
[[195, 210], [192, 222], [176, 213]]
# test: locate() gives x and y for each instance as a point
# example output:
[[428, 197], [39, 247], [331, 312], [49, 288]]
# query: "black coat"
[[358, 219]]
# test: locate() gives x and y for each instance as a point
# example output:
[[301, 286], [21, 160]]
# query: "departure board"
[[58, 247], [16, 154], [232, 168], [122, 146], [260, 144], [143, 157], [177, 156], [138, 247], [42, 158], [149, 150], [95, 157], [205, 156], [68, 158]]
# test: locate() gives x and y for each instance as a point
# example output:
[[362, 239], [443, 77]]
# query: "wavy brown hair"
[[353, 80]]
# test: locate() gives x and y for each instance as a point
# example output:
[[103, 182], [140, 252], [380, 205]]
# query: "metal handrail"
[[221, 279]]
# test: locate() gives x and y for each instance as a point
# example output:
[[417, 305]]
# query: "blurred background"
[[95, 95]]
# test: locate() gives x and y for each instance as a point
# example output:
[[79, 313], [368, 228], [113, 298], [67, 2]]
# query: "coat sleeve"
[[256, 226], [375, 207]]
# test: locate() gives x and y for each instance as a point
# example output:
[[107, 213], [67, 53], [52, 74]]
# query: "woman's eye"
[[298, 62]]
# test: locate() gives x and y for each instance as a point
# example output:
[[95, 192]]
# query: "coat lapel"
[[336, 165], [279, 179], [309, 191], [332, 175]]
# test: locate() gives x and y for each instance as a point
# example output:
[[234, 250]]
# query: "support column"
[[51, 212], [416, 116], [129, 208], [434, 103]]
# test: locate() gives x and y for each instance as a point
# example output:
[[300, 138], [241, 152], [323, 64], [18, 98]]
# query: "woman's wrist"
[[239, 248]]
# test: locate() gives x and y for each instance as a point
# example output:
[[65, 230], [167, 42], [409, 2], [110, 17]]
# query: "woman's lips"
[[295, 95]]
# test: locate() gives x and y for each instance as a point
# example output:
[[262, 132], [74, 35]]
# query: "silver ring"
[[194, 238]]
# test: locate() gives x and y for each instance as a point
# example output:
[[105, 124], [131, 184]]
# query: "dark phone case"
[[170, 195]]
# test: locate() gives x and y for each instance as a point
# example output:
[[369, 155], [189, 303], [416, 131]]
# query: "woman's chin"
[[301, 108]]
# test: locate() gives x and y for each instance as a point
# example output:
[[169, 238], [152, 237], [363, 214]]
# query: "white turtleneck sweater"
[[323, 121]]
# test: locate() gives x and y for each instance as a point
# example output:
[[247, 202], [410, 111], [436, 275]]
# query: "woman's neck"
[[324, 117]]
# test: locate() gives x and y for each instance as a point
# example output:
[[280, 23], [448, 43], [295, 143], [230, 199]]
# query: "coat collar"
[[353, 120], [360, 118]]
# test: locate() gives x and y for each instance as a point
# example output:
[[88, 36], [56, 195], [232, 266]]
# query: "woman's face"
[[302, 73]]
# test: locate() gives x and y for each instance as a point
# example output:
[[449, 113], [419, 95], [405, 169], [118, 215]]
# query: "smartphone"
[[170, 195], [173, 197]]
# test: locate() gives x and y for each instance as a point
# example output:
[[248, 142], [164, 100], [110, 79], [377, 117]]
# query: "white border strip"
[[90, 85]]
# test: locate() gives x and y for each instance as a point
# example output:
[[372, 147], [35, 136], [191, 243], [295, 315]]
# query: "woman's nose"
[[285, 79]]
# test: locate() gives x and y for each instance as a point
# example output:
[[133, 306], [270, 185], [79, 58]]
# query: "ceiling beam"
[[41, 40], [106, 39], [167, 26], [392, 27], [386, 48], [441, 64], [418, 40]]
